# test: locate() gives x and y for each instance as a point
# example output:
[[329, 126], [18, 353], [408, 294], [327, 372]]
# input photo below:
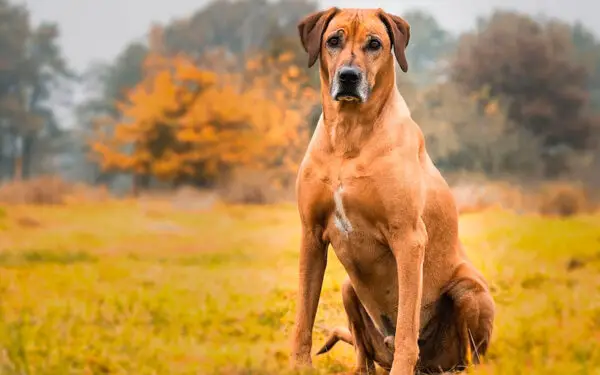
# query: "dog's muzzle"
[[349, 84]]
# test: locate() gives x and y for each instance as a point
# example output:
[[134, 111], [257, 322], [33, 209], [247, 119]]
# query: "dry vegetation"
[[188, 285], [255, 187], [49, 190], [247, 186], [559, 199]]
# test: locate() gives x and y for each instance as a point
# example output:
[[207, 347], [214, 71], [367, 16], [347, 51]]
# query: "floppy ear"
[[399, 31], [311, 30]]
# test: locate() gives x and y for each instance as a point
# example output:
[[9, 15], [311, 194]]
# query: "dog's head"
[[355, 48]]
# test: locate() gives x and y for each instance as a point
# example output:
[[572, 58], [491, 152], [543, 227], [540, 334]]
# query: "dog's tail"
[[337, 334]]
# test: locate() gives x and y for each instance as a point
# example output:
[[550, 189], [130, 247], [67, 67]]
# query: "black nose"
[[349, 75]]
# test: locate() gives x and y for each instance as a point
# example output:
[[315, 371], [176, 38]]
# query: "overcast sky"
[[99, 29]]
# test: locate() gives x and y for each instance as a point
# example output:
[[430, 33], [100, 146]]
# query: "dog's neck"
[[349, 125]]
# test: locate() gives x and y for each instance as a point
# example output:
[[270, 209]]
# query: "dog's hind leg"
[[358, 320], [368, 341], [474, 312], [460, 332]]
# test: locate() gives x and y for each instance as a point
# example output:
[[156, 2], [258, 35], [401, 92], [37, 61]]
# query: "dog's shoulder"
[[405, 135], [318, 146], [314, 162]]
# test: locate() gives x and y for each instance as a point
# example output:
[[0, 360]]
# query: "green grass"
[[132, 288], [27, 258]]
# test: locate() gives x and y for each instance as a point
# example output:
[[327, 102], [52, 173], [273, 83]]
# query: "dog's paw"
[[300, 361], [389, 342]]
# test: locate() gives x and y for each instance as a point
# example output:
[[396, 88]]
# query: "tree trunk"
[[27, 156], [12, 159], [141, 182], [2, 158]]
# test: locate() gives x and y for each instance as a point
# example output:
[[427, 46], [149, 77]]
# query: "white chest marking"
[[341, 220]]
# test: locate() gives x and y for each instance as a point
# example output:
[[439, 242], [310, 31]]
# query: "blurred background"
[[145, 96], [148, 155]]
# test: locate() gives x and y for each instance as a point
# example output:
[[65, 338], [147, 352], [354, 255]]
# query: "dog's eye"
[[334, 41], [374, 45]]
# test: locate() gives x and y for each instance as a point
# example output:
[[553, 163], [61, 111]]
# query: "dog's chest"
[[356, 213], [348, 197], [355, 232], [353, 195], [340, 219]]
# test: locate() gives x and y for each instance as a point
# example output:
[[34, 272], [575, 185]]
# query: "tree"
[[48, 74], [587, 50], [530, 64], [241, 28], [430, 45], [13, 37], [186, 123], [32, 70], [463, 137]]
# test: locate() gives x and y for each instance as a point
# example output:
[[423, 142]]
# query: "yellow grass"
[[149, 288]]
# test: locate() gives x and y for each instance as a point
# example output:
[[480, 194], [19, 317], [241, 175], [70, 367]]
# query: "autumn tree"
[[241, 28], [532, 65], [188, 123]]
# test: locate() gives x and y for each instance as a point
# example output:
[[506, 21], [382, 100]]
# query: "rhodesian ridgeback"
[[368, 187]]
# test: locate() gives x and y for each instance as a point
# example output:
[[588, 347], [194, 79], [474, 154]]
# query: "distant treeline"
[[227, 89]]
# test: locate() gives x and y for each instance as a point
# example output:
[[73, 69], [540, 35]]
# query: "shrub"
[[246, 186], [563, 199], [42, 190], [480, 195], [47, 190], [474, 193]]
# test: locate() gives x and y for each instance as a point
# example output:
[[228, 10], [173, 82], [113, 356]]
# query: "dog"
[[367, 187]]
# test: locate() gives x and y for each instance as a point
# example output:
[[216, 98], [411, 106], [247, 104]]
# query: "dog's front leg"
[[408, 246], [313, 261]]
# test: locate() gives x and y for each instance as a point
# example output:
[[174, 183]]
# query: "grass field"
[[144, 288]]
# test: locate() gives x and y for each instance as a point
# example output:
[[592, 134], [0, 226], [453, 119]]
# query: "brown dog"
[[368, 187]]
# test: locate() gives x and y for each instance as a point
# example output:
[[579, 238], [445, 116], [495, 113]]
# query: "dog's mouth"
[[349, 98], [350, 93]]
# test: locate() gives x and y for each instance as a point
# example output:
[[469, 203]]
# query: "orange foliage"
[[193, 121]]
